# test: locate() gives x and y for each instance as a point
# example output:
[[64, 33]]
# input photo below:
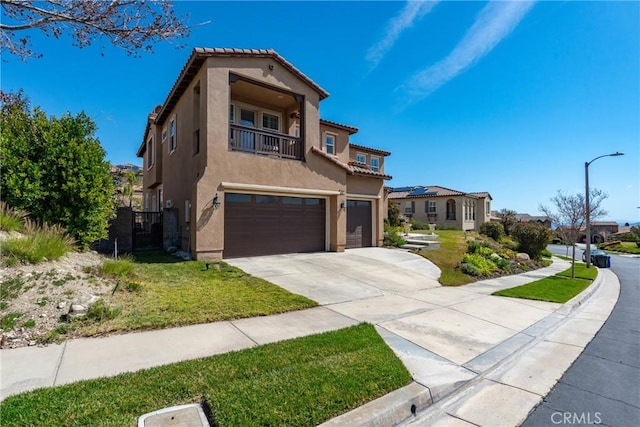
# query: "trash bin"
[[603, 261]]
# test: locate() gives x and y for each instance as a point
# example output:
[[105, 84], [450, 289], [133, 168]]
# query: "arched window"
[[451, 209]]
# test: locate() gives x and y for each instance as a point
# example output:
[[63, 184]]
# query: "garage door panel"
[[359, 229], [268, 225]]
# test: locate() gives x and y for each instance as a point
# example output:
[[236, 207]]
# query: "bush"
[[508, 242], [485, 251], [545, 253], [11, 219], [473, 246], [100, 311], [39, 244], [393, 239], [120, 268], [417, 225], [532, 238], [484, 265], [495, 230], [502, 263], [470, 269]]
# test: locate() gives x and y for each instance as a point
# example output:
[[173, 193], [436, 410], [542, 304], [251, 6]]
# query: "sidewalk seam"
[[243, 333], [59, 364]]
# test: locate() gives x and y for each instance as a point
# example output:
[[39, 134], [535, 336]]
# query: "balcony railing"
[[264, 142]]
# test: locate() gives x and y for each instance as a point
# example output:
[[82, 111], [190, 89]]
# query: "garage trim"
[[263, 189]]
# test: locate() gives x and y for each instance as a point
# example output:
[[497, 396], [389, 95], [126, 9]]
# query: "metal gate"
[[147, 230]]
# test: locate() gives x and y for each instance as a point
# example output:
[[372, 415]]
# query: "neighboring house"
[[543, 220], [600, 231], [443, 206], [239, 151]]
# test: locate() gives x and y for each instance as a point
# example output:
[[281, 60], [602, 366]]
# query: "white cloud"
[[496, 20], [412, 10]]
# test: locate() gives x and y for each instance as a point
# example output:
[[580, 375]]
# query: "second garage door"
[[359, 233], [257, 224]]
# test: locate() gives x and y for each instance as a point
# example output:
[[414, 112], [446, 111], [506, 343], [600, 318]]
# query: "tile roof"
[[373, 150], [199, 56], [353, 168], [482, 194], [350, 129], [405, 192]]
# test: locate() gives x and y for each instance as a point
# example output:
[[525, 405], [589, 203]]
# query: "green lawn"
[[625, 247], [301, 382], [453, 245], [559, 288], [163, 291]]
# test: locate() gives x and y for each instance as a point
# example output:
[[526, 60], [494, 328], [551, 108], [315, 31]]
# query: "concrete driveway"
[[398, 291]]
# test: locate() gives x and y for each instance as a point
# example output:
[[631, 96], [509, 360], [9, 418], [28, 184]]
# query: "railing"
[[261, 141]]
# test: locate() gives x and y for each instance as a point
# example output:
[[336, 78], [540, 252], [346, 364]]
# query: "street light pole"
[[586, 204]]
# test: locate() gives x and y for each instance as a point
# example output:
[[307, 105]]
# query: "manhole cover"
[[183, 415]]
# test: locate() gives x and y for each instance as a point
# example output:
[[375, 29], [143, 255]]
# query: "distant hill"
[[124, 166]]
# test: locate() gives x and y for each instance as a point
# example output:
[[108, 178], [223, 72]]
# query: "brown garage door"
[[267, 225], [358, 223]]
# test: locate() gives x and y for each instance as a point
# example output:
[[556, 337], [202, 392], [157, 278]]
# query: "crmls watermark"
[[574, 418]]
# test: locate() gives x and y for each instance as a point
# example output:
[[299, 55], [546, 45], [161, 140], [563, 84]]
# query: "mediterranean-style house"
[[239, 155], [443, 206]]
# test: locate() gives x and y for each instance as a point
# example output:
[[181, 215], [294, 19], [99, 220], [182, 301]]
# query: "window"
[[330, 144], [375, 164], [164, 135], [160, 199], [232, 113], [488, 211], [173, 143], [451, 209], [270, 121], [473, 211], [361, 158], [151, 153], [196, 142], [409, 207], [430, 207]]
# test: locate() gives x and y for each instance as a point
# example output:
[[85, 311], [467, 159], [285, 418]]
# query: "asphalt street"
[[602, 387]]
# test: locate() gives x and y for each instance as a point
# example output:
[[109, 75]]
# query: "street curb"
[[388, 410], [575, 302], [400, 405]]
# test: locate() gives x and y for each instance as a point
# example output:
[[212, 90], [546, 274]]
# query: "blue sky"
[[506, 97]]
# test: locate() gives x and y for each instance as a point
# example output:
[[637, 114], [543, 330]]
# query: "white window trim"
[[271, 113], [363, 155], [324, 142], [175, 134], [377, 168]]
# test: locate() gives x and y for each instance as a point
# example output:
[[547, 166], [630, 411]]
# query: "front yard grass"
[[453, 245], [624, 247], [301, 382], [559, 288], [163, 291]]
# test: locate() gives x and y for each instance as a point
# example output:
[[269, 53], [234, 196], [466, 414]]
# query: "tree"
[[393, 213], [569, 216], [507, 219], [532, 238], [55, 169], [129, 24]]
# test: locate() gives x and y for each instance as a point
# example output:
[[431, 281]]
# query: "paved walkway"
[[449, 338]]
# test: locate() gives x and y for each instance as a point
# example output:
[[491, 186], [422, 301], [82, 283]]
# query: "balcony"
[[264, 142]]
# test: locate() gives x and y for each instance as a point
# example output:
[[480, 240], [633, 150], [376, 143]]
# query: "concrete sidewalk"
[[449, 338]]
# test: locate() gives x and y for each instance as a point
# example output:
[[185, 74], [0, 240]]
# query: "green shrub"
[[473, 246], [485, 251], [545, 253], [101, 311], [120, 268], [11, 219], [502, 263], [485, 266], [393, 239], [508, 242], [532, 238], [417, 225], [495, 230], [507, 253], [39, 244], [9, 321], [470, 269]]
